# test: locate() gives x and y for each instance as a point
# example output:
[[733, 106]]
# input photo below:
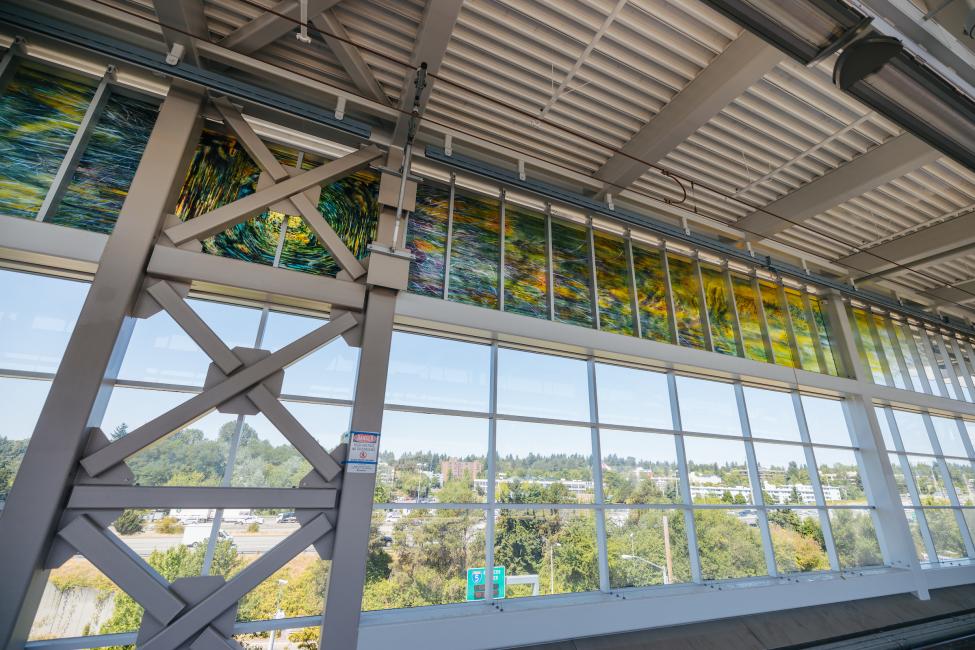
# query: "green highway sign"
[[476, 583]]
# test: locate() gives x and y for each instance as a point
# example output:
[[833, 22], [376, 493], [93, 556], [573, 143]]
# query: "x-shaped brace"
[[286, 188], [239, 380]]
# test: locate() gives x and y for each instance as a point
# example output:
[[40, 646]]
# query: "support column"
[[38, 496]]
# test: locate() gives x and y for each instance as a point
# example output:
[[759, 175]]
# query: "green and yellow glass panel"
[[720, 316], [870, 352], [613, 284], [475, 250], [750, 318], [651, 292], [824, 334], [571, 274], [686, 290], [805, 343], [775, 318], [525, 262], [426, 237]]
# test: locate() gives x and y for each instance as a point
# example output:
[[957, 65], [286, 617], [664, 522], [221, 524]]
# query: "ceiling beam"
[[742, 64], [335, 36], [271, 25], [893, 159], [181, 22], [436, 25], [933, 244]]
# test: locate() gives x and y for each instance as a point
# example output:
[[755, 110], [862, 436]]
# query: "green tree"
[[120, 431], [130, 522]]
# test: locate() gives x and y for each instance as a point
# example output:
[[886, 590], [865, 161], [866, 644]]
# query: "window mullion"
[[634, 298], [685, 484], [922, 521], [922, 372], [756, 481], [762, 319], [899, 354], [450, 236], [597, 479], [824, 522], [879, 347], [814, 328], [703, 300], [935, 365], [949, 486], [669, 292], [963, 368]]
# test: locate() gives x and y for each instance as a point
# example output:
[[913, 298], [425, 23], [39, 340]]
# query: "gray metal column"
[[38, 496]]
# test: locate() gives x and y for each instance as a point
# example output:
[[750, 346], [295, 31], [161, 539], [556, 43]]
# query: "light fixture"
[[879, 72], [807, 30]]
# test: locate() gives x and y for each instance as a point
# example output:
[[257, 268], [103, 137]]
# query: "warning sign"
[[363, 452]]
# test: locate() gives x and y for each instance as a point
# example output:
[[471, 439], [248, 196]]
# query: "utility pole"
[[669, 559]]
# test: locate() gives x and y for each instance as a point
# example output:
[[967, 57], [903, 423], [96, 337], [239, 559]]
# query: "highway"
[[145, 544]]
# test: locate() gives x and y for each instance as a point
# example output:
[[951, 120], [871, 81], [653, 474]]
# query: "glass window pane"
[[930, 366], [432, 459], [913, 523], [421, 557], [651, 290], [949, 436], [613, 284], [914, 434], [784, 475], [475, 251], [719, 310], [328, 372], [686, 290], [426, 237], [804, 334], [729, 544], [639, 467], [525, 262], [887, 349], [746, 302], [825, 421], [824, 332], [900, 479], [855, 538], [868, 345], [37, 316], [429, 371], [771, 414], [930, 484], [941, 363], [571, 274], [21, 401], [840, 477], [543, 463], [646, 547], [542, 385], [775, 317], [797, 540], [906, 342], [963, 479], [558, 546], [717, 471], [885, 428], [302, 594], [78, 600], [708, 406], [945, 534], [633, 397]]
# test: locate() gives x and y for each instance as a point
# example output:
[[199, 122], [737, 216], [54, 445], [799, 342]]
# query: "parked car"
[[287, 518]]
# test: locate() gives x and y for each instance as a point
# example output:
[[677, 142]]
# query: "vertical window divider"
[[501, 238], [733, 306], [967, 348], [597, 479], [949, 486], [491, 495], [594, 287], [899, 354], [8, 64], [762, 319], [703, 300], [935, 363], [62, 178], [963, 368], [634, 299], [944, 366], [669, 293], [813, 469], [912, 490], [879, 347], [757, 496], [911, 343], [550, 259], [450, 236], [789, 327], [814, 328], [685, 483]]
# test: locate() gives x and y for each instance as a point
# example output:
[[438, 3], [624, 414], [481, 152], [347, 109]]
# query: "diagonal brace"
[[227, 361], [257, 150], [199, 616], [200, 404]]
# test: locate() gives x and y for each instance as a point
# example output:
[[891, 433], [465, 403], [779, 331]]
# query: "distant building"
[[459, 468]]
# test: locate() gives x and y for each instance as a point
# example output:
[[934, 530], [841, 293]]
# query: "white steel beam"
[[893, 159], [335, 36], [742, 64], [271, 25], [436, 25], [182, 22]]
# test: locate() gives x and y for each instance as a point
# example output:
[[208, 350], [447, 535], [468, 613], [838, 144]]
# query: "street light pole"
[[663, 570], [277, 611]]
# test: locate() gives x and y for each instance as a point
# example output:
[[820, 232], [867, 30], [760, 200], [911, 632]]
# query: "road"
[[145, 544]]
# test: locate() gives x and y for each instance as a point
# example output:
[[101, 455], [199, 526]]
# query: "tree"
[[121, 431], [130, 522]]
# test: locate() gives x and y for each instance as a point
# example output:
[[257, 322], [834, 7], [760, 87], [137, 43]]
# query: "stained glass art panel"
[[525, 263], [719, 310], [613, 284], [776, 317], [426, 237], [651, 291], [571, 274], [750, 318], [686, 290], [475, 250], [868, 345], [802, 330], [823, 331]]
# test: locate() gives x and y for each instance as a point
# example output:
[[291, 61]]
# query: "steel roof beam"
[[335, 36], [742, 64], [271, 25], [182, 21], [436, 25], [893, 159]]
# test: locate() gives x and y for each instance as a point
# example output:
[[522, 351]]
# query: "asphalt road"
[[146, 544]]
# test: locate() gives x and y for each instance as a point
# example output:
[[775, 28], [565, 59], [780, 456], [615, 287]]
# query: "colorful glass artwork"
[[824, 334], [103, 175], [475, 250], [571, 274], [651, 291], [525, 263], [686, 290], [426, 237], [778, 326], [750, 318], [720, 315], [40, 111], [868, 346], [613, 284], [803, 331]]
